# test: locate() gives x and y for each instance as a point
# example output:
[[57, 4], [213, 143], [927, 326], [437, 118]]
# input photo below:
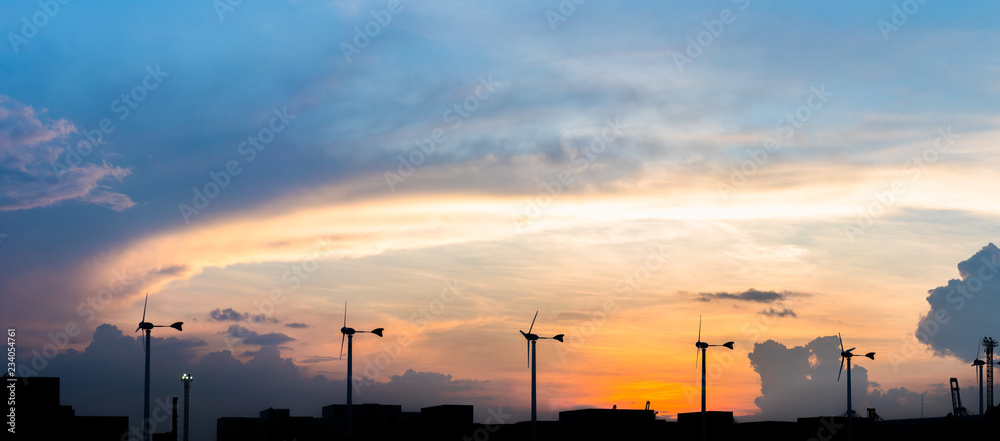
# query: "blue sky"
[[556, 154]]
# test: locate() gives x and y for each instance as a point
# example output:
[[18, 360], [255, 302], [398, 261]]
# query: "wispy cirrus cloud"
[[30, 143]]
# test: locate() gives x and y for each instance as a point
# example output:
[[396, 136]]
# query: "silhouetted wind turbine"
[[531, 340], [704, 348], [978, 364], [349, 335], [148, 327], [846, 355]]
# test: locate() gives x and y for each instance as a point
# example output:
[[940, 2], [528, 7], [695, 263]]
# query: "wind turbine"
[[531, 340], [978, 364], [348, 333], [704, 347], [148, 327], [846, 355]]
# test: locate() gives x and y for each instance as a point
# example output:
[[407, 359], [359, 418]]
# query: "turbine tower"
[[978, 365], [703, 347], [148, 327], [348, 333], [187, 379], [532, 339], [846, 355]]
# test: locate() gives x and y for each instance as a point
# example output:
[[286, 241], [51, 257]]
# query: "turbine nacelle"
[[529, 336], [144, 325], [349, 332], [978, 363]]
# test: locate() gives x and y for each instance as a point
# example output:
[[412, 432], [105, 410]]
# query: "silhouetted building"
[[172, 434], [719, 425], [39, 415], [606, 424], [272, 424], [446, 422]]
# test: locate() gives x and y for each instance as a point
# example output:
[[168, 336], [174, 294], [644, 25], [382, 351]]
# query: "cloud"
[[750, 295], [786, 312], [252, 338], [230, 314], [802, 381], [297, 325], [963, 311], [30, 149]]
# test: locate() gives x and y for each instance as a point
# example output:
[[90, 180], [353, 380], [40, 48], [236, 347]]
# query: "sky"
[[784, 171]]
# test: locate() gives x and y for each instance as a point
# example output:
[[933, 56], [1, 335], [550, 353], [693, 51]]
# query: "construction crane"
[[989, 343], [956, 400]]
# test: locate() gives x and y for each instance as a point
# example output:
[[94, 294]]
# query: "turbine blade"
[[851, 350], [533, 322], [699, 329], [342, 337], [345, 315], [841, 369], [144, 306], [979, 349], [841, 342], [697, 351]]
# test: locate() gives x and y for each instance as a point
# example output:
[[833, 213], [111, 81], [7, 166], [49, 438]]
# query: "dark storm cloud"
[[786, 312], [802, 381], [750, 295], [964, 310], [230, 314], [250, 337]]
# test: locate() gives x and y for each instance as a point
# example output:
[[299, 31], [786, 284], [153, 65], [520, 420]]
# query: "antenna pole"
[[145, 402], [350, 387], [704, 416], [534, 403], [187, 379], [850, 409], [980, 392]]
